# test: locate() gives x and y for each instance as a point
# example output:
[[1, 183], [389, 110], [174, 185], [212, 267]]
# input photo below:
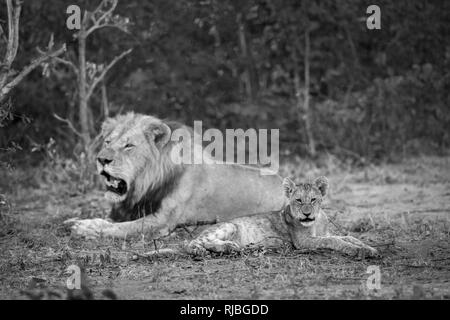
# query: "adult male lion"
[[153, 194]]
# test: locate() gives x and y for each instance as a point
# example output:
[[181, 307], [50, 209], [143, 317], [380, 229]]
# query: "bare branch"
[[96, 80], [101, 21], [13, 30], [69, 124], [106, 25], [3, 35], [12, 43], [106, 13], [68, 63], [25, 71]]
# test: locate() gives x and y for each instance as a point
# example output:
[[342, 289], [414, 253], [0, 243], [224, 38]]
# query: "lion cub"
[[301, 222]]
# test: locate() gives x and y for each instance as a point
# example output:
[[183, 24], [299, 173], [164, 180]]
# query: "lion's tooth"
[[111, 183]]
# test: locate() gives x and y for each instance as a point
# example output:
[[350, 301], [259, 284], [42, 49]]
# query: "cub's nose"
[[306, 209], [104, 161]]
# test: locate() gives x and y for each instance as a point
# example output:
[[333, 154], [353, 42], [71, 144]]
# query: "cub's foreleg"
[[217, 238], [347, 245]]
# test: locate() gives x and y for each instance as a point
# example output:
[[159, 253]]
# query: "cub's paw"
[[195, 248], [353, 241], [368, 252], [360, 251], [230, 246], [220, 246], [88, 228], [350, 250], [359, 248]]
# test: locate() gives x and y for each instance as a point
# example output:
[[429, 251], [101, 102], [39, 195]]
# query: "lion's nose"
[[306, 209], [104, 161]]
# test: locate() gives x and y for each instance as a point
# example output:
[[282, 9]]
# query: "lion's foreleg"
[[156, 225]]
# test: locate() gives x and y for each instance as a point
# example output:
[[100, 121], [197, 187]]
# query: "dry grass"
[[403, 209]]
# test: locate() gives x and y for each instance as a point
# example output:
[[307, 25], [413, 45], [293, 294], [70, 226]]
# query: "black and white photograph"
[[224, 150]]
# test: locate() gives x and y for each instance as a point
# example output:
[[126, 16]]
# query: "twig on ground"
[[386, 244], [340, 228]]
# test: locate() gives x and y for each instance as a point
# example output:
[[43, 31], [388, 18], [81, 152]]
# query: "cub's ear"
[[288, 187], [322, 184], [108, 126], [159, 133]]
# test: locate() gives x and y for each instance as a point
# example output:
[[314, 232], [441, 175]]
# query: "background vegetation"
[[372, 94]]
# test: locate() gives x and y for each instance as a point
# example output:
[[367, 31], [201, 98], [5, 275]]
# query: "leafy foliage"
[[374, 93]]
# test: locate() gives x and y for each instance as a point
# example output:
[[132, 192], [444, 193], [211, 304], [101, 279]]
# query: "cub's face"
[[305, 199]]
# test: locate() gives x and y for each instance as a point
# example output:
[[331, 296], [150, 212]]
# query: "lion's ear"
[[159, 133], [288, 187], [108, 126], [322, 184]]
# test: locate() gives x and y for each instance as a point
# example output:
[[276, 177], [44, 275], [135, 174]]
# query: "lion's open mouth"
[[113, 184]]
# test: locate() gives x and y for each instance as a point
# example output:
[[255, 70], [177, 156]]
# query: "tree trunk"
[[250, 77], [302, 95], [105, 106], [306, 106], [82, 86]]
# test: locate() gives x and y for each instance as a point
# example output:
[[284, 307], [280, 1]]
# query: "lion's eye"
[[129, 146], [107, 142], [299, 200], [313, 199]]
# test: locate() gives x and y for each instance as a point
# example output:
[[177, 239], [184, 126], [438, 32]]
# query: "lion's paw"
[[88, 228]]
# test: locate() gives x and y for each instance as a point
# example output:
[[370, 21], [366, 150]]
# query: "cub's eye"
[[298, 200], [129, 146], [107, 142], [313, 199]]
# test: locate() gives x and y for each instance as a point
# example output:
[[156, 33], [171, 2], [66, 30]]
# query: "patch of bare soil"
[[401, 209]]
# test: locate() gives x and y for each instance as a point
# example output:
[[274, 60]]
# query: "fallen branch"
[[341, 229], [386, 244]]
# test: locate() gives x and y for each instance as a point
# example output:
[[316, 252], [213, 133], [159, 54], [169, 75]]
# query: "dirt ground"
[[402, 209]]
